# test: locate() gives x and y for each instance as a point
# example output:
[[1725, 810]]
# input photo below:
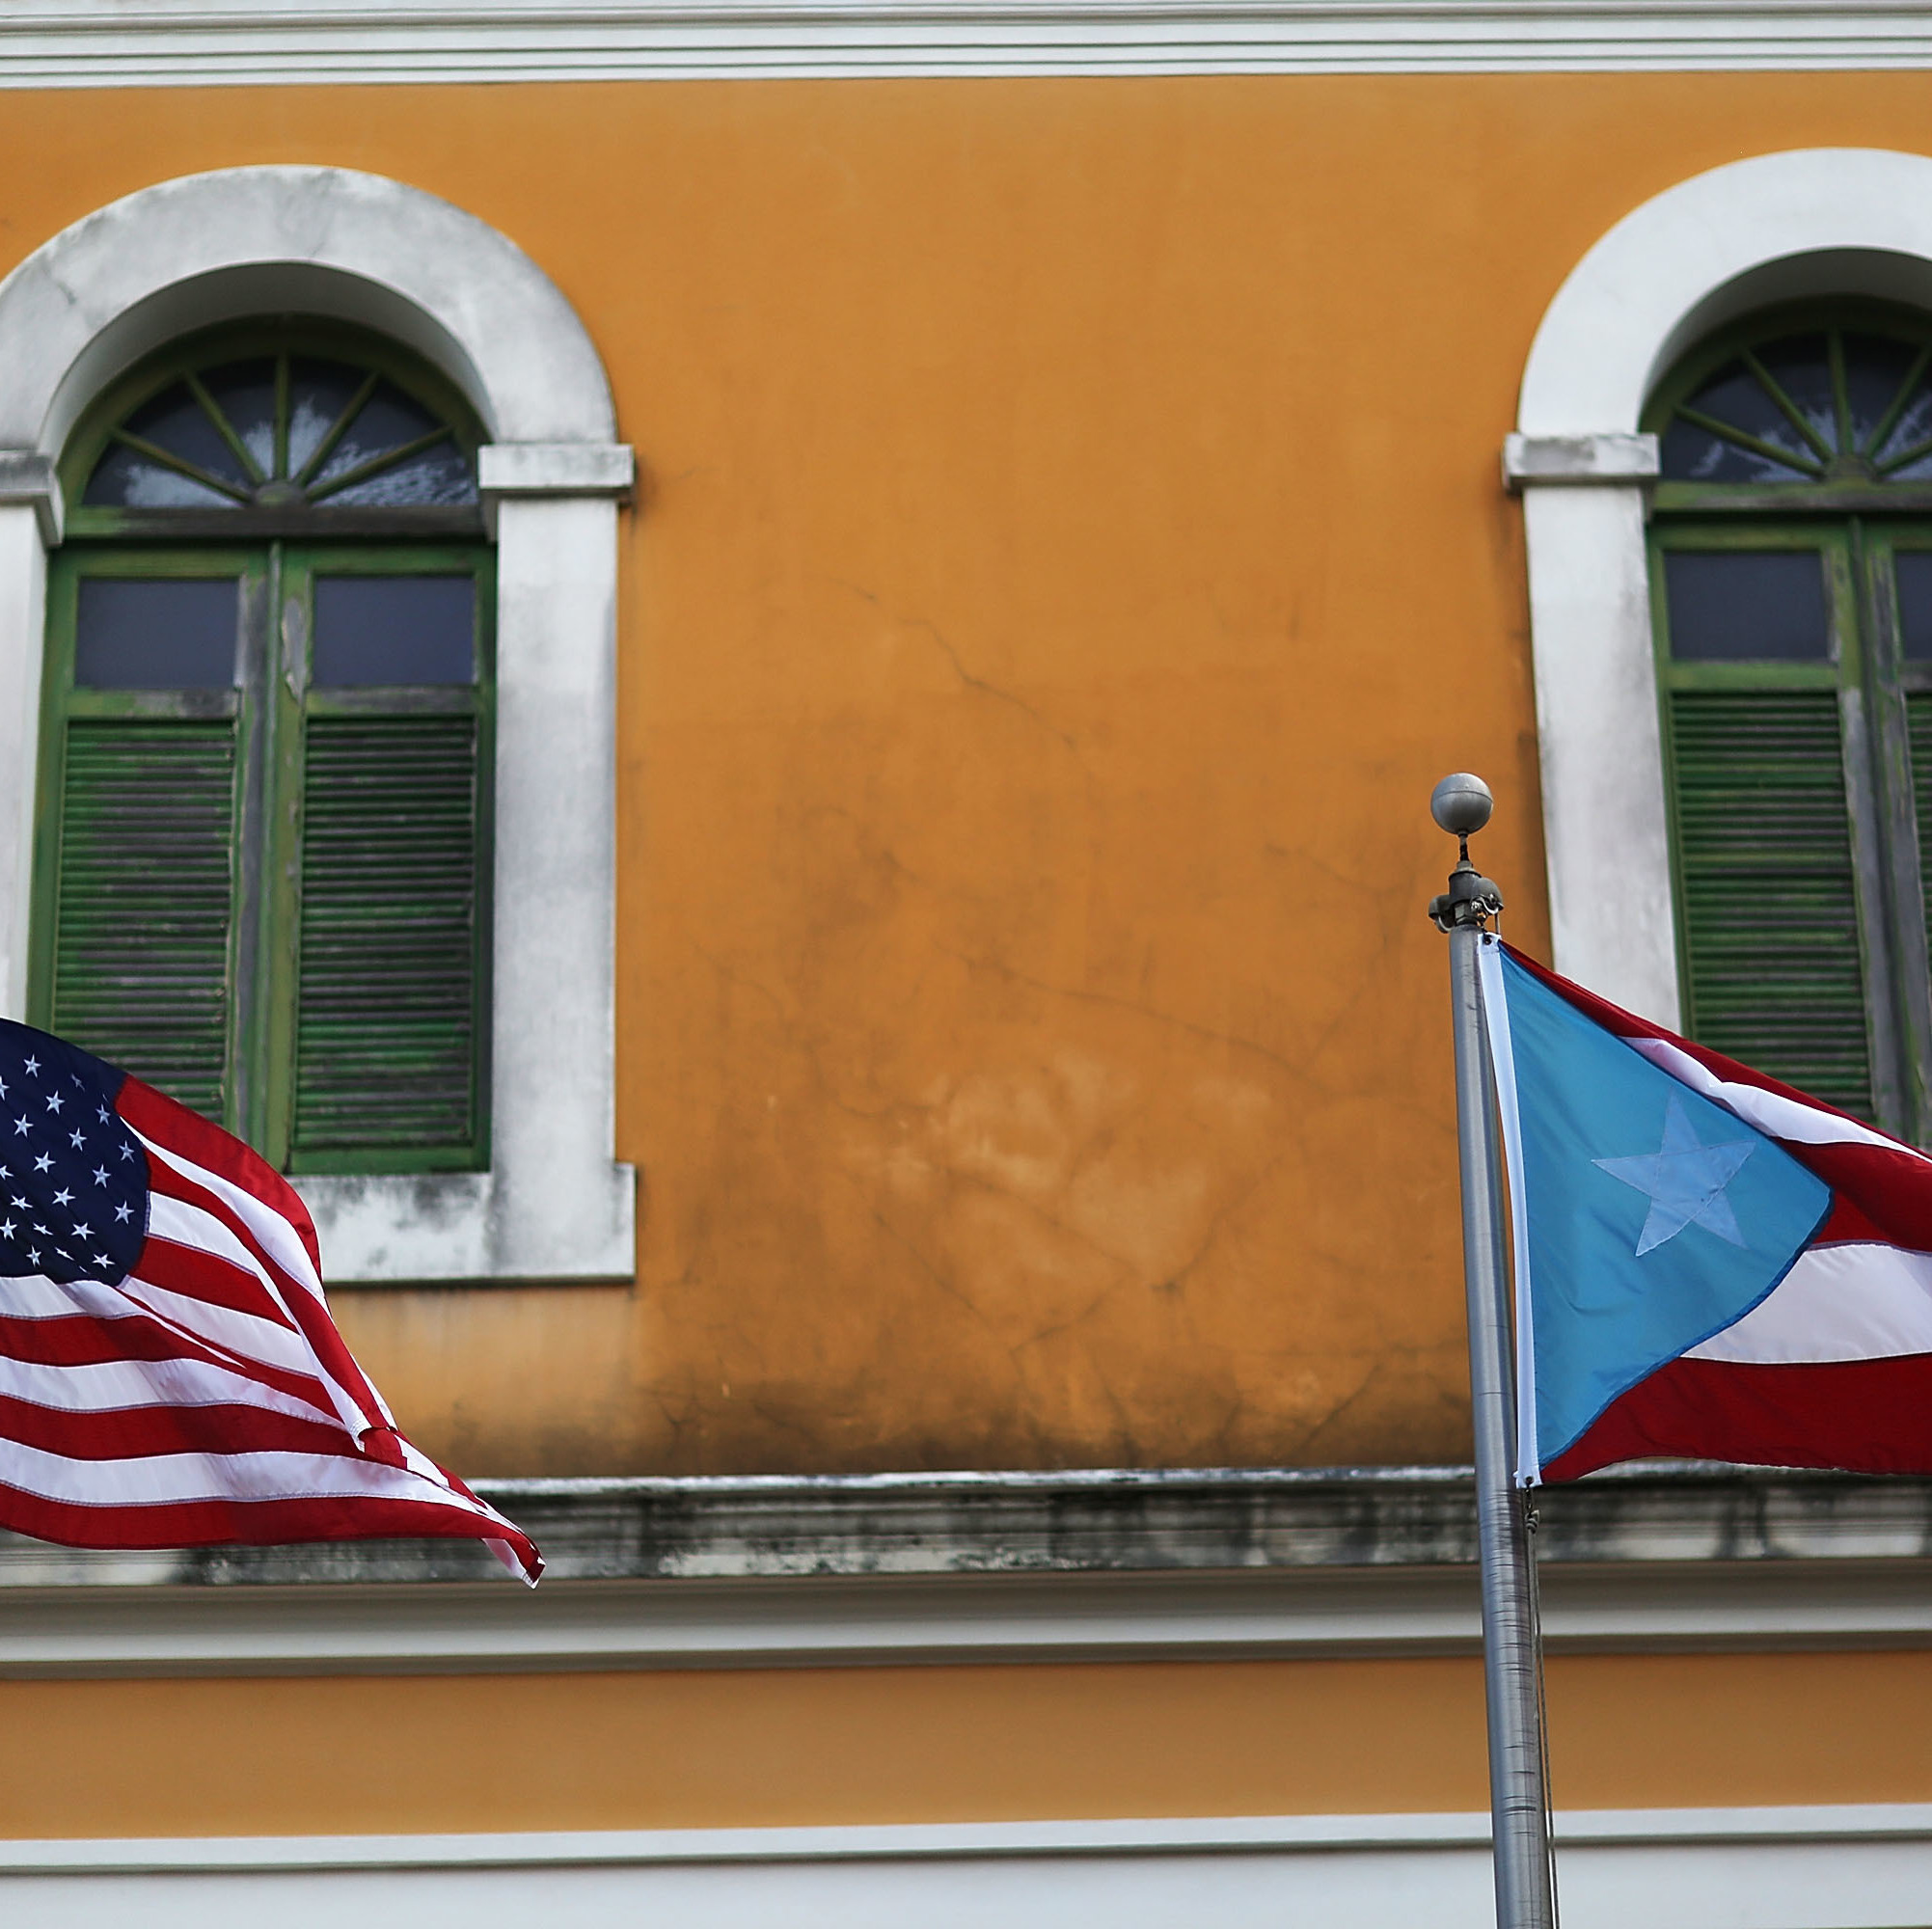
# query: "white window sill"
[[437, 1228]]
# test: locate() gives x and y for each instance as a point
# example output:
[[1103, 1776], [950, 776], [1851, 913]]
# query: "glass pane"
[[319, 391], [438, 475], [1747, 606], [1735, 396], [395, 630], [245, 394], [1800, 366], [175, 421], [124, 480], [1874, 370], [1911, 571], [387, 420], [157, 633]]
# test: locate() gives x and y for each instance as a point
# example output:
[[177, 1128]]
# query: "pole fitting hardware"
[[1460, 804], [1470, 899]]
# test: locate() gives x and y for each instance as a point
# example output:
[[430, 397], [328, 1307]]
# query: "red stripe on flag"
[[196, 1273], [129, 1432], [1864, 1416], [251, 1523]]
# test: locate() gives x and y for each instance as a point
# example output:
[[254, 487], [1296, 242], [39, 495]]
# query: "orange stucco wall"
[[464, 1754], [1071, 547]]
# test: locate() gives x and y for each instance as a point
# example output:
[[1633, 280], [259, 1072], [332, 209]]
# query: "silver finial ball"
[[1461, 803]]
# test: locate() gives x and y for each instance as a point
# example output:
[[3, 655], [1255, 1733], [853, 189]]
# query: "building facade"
[[760, 687]]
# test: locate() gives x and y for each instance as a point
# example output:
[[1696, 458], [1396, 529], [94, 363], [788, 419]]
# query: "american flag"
[[170, 1375]]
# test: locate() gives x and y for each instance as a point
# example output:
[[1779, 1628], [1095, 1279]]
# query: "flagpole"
[[1518, 1811]]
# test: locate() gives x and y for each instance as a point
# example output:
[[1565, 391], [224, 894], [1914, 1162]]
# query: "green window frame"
[[270, 896], [1800, 791]]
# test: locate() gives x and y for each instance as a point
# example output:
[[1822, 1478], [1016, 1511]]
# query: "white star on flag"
[[1684, 1180]]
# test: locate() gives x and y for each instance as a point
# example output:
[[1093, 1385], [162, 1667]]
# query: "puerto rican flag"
[[170, 1375], [1709, 1265]]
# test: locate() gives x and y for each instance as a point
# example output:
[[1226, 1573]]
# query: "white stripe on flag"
[[157, 1479], [111, 1386], [33, 1297], [1503, 1060], [1850, 1302], [1776, 1116], [243, 1335]]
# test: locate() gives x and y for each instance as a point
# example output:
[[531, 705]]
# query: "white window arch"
[[263, 240], [1808, 221]]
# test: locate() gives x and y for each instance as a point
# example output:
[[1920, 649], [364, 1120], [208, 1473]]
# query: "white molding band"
[[197, 42], [210, 248], [1826, 1867], [1814, 221], [959, 1619]]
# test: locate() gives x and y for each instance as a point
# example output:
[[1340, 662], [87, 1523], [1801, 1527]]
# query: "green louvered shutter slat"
[[386, 1014], [1770, 913], [1918, 725], [145, 902]]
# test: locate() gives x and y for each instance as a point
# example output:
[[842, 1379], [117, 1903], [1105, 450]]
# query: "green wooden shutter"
[[388, 999], [1769, 914], [144, 901]]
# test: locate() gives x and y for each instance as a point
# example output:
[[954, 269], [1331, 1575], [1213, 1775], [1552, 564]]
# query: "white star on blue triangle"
[[1684, 1180]]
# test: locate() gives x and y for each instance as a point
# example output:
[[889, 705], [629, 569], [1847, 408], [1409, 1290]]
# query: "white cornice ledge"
[[256, 42], [28, 476], [556, 468], [1572, 461]]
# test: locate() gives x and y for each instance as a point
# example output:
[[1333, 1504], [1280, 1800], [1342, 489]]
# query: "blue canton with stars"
[[73, 1178]]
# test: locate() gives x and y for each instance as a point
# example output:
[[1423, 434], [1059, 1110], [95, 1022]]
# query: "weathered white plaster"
[[213, 247], [1828, 220], [556, 468], [23, 618], [210, 248], [1579, 458]]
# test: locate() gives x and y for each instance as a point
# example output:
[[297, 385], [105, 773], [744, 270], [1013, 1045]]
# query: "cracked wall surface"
[[1069, 548]]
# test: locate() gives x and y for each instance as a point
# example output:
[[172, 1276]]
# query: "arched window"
[[1791, 581], [262, 877]]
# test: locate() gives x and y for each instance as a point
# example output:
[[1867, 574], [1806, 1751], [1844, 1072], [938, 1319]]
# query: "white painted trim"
[[1590, 460], [556, 468], [820, 1622], [208, 248], [28, 476], [1187, 1835], [197, 42], [1825, 220], [1824, 1866]]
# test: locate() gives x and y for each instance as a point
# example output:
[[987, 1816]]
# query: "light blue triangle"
[[1655, 1217]]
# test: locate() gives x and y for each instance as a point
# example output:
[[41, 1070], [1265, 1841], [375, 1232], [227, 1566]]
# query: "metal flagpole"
[[1518, 1810]]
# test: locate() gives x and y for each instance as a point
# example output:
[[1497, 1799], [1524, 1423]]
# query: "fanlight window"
[[1829, 405], [281, 431]]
